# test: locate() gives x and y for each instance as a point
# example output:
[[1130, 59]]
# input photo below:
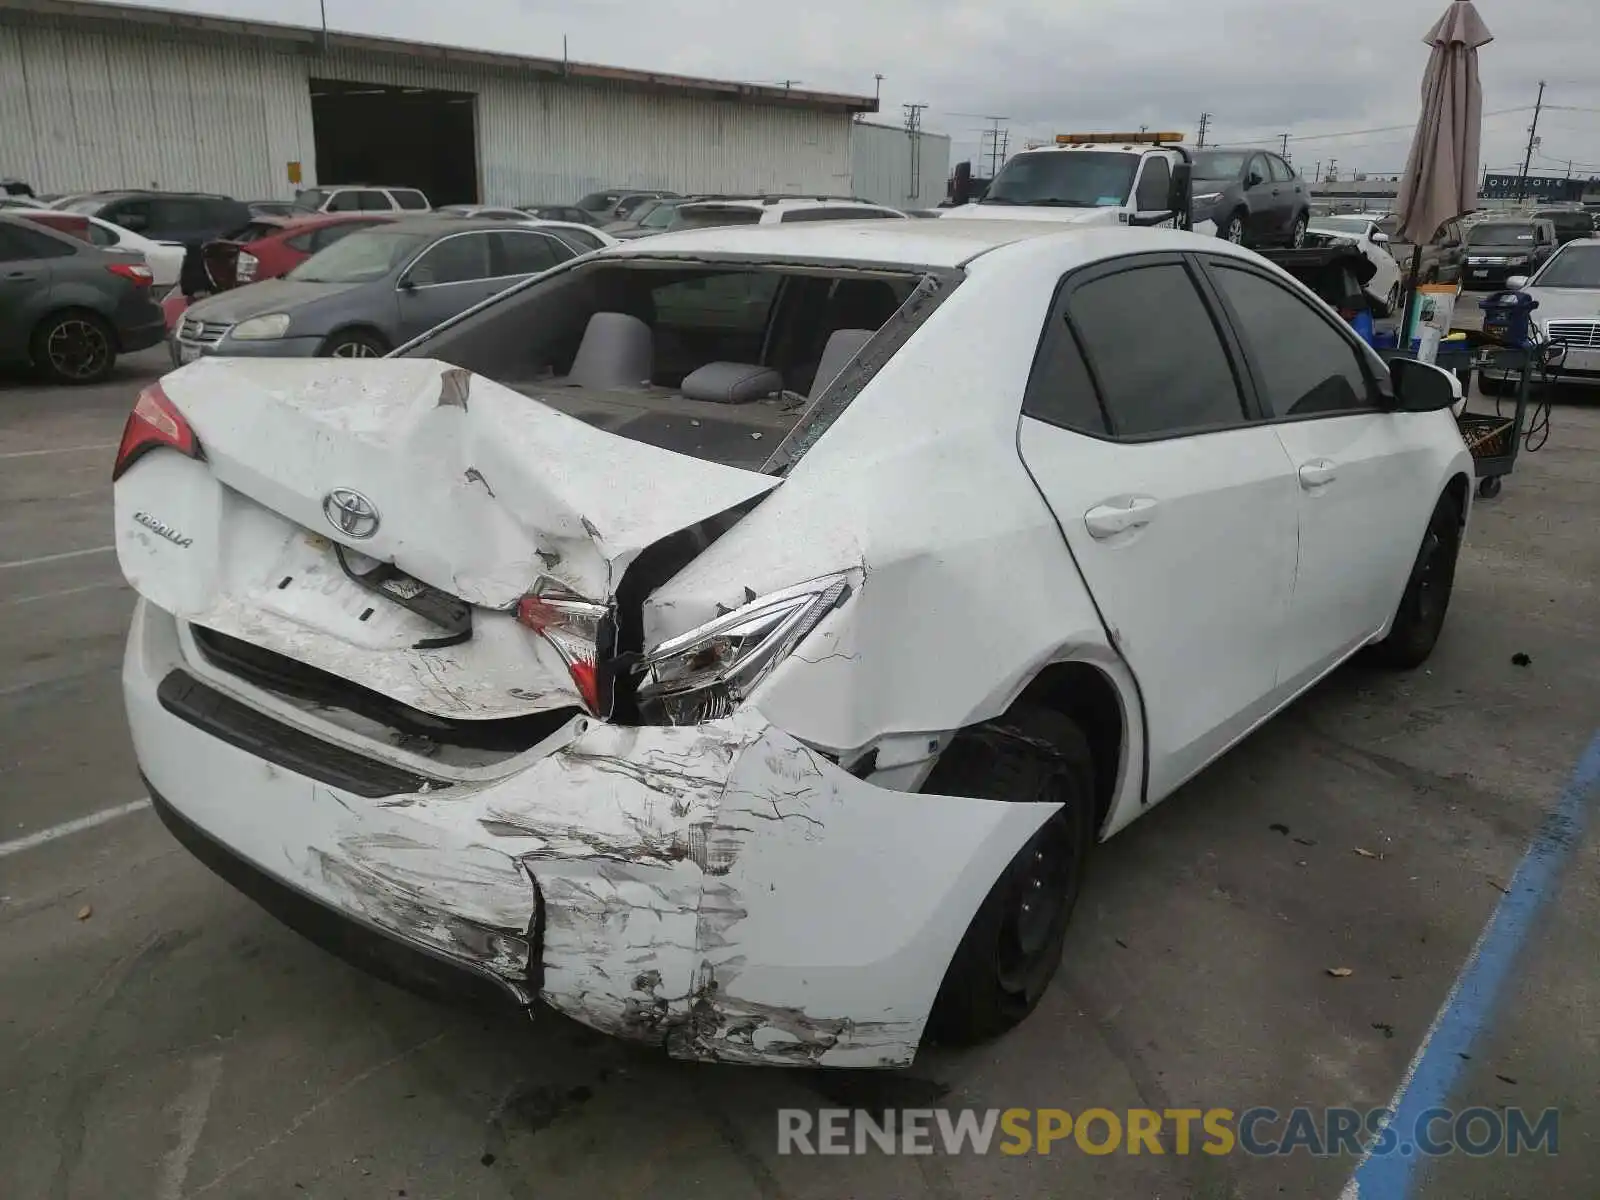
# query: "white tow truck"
[[1137, 179]]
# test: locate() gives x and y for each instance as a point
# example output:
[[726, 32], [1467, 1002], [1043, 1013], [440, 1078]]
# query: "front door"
[[451, 276], [1361, 474], [1179, 512]]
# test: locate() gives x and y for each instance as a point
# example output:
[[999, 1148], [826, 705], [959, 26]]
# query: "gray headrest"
[[731, 383], [843, 345], [617, 351]]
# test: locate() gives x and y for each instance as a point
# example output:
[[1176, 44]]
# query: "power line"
[[1321, 137]]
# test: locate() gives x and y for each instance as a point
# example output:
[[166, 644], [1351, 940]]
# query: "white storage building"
[[98, 96], [893, 166]]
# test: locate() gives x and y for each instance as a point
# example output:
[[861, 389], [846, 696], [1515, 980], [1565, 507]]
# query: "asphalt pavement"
[[162, 1037]]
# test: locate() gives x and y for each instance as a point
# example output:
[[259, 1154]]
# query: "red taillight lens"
[[154, 421], [138, 272], [574, 628]]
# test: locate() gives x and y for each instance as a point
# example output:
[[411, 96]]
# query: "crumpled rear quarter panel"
[[720, 890]]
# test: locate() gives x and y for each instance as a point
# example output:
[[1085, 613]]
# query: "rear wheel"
[[1391, 302], [1421, 614], [75, 347], [1012, 948], [354, 343], [1297, 236]]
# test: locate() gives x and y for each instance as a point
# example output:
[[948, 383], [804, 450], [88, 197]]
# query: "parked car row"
[[355, 270]]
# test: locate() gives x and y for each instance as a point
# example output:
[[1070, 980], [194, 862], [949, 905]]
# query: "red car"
[[267, 248]]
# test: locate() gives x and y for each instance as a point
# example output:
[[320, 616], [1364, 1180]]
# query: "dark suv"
[[1571, 224], [187, 217], [1498, 248], [190, 219]]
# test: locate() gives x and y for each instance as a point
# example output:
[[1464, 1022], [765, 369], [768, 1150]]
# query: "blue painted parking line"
[[1468, 1009]]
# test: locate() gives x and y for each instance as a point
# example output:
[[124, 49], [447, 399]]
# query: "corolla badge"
[[351, 513], [162, 529]]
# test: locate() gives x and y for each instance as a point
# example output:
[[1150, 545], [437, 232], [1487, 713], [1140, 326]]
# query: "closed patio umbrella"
[[1441, 177]]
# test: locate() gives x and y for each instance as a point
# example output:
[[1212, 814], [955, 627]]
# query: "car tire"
[[1491, 387], [1391, 302], [74, 347], [1232, 230], [1012, 947], [1426, 600], [1431, 275], [353, 343], [1297, 235]]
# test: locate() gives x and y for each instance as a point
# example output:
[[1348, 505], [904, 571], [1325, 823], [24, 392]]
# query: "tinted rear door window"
[[409, 200], [370, 201], [1155, 352], [526, 253]]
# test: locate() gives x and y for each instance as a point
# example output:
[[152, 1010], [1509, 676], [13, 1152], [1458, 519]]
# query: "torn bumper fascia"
[[720, 890]]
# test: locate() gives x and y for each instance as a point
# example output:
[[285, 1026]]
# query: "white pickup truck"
[[1137, 179]]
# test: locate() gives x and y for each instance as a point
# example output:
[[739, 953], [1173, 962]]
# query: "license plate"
[[187, 354], [1480, 274]]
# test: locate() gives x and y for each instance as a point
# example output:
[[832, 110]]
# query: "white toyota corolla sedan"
[[738, 639]]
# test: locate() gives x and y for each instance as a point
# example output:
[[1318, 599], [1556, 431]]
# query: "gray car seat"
[[617, 351]]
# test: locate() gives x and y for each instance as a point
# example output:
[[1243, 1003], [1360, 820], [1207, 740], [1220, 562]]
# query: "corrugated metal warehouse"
[[893, 166], [106, 96]]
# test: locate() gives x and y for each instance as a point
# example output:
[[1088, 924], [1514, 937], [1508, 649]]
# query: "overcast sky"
[[1261, 67]]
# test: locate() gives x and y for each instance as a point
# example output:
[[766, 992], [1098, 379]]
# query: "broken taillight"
[[155, 421], [577, 629]]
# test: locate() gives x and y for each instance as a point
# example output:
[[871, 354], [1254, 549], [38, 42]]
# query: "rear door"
[[1288, 191], [1179, 510], [25, 275], [1363, 478], [449, 277]]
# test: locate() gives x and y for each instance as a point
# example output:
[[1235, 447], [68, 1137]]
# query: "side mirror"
[[1380, 238], [1422, 387], [1516, 283]]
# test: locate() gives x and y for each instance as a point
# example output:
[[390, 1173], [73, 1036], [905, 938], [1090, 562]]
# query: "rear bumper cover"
[[720, 890]]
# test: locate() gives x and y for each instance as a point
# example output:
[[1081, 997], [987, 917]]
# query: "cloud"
[[1260, 67]]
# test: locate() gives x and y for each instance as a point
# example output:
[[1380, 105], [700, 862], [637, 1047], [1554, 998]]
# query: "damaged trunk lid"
[[388, 521]]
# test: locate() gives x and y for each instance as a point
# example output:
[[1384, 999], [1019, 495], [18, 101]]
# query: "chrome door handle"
[[1318, 474], [1108, 520]]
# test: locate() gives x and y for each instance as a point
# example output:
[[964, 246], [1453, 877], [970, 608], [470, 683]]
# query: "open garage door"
[[398, 137]]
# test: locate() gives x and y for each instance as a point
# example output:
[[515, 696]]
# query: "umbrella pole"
[[1408, 300]]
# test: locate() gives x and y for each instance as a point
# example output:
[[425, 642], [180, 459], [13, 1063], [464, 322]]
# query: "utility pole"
[[1333, 170], [1285, 137], [1533, 140], [1316, 176], [914, 139], [323, 5], [1205, 123], [993, 135]]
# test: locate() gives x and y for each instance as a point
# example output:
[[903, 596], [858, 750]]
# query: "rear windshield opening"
[[709, 216], [717, 362]]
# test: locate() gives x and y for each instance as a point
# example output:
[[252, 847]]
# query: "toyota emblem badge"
[[351, 513]]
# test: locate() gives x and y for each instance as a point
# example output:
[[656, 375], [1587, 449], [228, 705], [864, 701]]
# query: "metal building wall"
[[119, 105], [881, 158]]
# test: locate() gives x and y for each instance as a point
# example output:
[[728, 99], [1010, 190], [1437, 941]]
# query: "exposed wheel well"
[[1087, 695], [1457, 489]]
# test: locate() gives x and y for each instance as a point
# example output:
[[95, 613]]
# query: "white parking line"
[[50, 558], [88, 587], [63, 450], [70, 827]]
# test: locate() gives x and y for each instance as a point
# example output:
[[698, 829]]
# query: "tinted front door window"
[[1306, 367]]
